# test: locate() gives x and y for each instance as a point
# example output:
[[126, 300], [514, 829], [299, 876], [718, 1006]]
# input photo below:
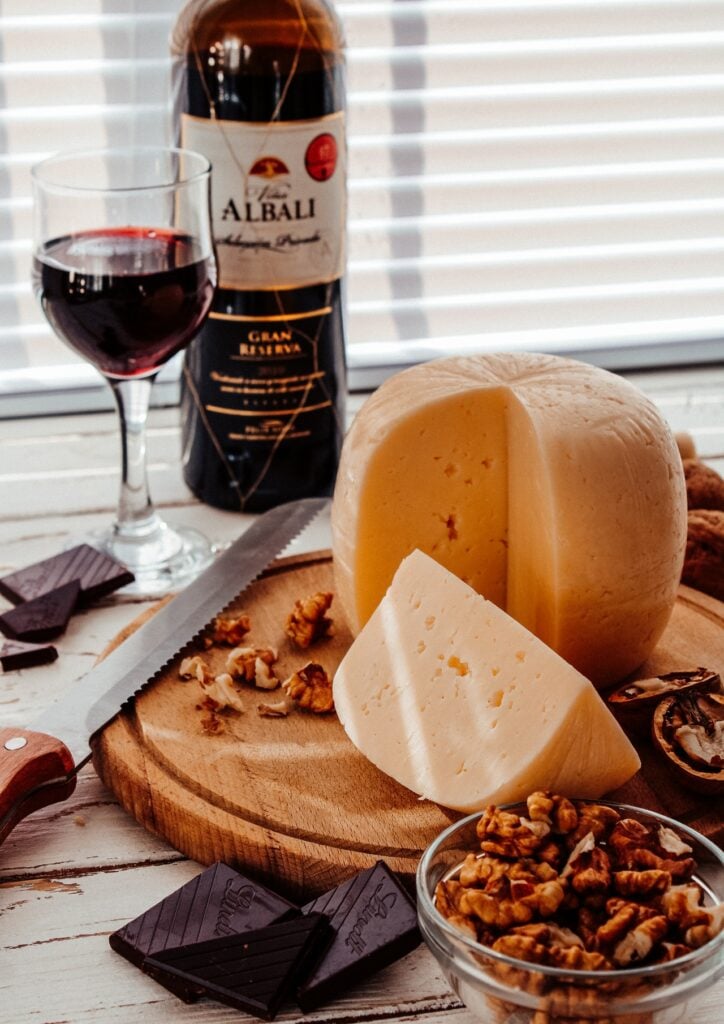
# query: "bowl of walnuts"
[[558, 909]]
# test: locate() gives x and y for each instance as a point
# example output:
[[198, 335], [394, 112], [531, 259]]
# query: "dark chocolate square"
[[43, 618], [14, 654], [252, 972], [218, 902], [97, 573], [374, 923]]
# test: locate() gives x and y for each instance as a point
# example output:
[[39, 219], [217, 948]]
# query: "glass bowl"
[[502, 990]]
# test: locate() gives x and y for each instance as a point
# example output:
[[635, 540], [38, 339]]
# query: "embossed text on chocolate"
[[376, 906], [233, 901]]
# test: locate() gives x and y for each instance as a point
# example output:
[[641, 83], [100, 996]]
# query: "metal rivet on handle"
[[16, 743]]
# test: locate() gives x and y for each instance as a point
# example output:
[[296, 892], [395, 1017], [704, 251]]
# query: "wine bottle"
[[259, 90]]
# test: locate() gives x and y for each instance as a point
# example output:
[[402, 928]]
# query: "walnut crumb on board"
[[280, 709], [211, 722]]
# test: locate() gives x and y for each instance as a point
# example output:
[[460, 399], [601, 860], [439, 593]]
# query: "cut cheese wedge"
[[553, 488], [461, 704]]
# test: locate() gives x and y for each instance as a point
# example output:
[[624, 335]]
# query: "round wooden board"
[[291, 799]]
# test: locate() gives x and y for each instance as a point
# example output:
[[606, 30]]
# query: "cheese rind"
[[554, 488], [455, 700]]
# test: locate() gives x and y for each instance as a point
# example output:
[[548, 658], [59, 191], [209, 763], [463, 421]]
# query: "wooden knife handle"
[[34, 772]]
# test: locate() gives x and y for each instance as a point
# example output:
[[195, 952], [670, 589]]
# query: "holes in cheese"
[[553, 488], [488, 736]]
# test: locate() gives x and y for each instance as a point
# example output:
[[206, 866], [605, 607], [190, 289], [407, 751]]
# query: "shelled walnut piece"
[[220, 693], [253, 665], [229, 630], [308, 621], [311, 689], [194, 667], [575, 885]]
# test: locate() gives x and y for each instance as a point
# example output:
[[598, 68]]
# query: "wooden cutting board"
[[291, 799]]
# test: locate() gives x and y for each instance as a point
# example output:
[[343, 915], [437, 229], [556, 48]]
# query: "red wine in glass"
[[125, 271], [125, 298]]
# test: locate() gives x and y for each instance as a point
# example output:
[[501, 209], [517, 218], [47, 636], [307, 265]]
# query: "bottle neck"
[[262, 91]]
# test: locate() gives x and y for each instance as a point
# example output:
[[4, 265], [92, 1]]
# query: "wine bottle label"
[[278, 199], [267, 382]]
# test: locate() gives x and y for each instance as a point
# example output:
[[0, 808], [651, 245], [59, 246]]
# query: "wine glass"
[[124, 268]]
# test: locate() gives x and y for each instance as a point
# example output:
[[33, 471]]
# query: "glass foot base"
[[165, 561]]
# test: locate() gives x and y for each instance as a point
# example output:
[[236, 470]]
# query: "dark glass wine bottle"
[[259, 89]]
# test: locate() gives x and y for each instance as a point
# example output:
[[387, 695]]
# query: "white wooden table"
[[74, 872]]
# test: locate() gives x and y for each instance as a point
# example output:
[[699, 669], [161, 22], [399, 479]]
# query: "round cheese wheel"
[[554, 488]]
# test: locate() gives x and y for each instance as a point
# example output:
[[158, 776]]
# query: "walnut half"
[[311, 688], [253, 665], [229, 631], [195, 667], [308, 620]]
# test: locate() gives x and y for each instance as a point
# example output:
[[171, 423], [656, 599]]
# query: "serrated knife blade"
[[43, 760]]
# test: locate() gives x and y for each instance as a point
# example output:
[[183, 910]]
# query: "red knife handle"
[[34, 772]]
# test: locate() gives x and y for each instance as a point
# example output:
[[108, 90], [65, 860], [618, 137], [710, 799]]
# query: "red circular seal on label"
[[321, 157]]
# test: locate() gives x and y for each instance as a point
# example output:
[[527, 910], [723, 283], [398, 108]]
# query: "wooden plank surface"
[[71, 873], [74, 915]]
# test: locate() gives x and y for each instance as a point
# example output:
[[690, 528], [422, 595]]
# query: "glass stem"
[[136, 514]]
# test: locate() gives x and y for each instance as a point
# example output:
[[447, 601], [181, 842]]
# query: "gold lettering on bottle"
[[287, 349], [270, 335], [270, 343]]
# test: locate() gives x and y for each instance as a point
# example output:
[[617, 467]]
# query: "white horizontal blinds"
[[74, 73], [524, 173], [536, 174]]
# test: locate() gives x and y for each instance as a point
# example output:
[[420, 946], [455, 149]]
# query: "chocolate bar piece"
[[374, 923], [217, 902], [98, 574], [14, 654], [43, 618], [252, 972]]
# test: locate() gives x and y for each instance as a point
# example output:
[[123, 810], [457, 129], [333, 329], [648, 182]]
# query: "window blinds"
[[523, 173]]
